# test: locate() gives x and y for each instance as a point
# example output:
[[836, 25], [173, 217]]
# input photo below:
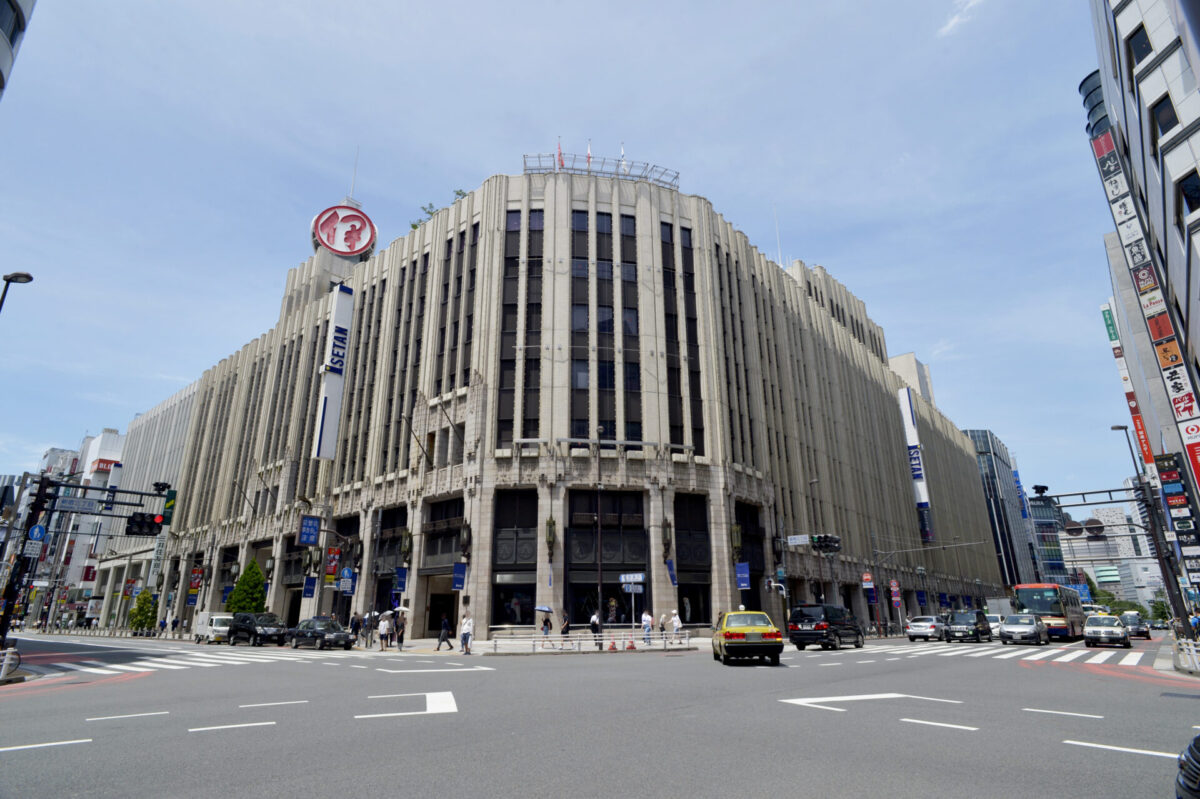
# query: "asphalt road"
[[893, 719]]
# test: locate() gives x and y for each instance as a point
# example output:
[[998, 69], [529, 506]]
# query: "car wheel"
[[837, 641], [1128, 644], [1088, 644], [232, 639], [255, 641], [801, 646], [320, 643], [912, 637], [774, 660], [725, 659], [295, 643], [858, 641], [715, 655], [1003, 642], [346, 647]]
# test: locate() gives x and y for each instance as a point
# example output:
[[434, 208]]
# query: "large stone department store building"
[[555, 354]]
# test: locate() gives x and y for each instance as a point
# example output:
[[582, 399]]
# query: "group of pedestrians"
[[389, 626], [466, 631]]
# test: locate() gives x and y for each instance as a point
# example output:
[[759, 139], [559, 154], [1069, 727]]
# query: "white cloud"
[[960, 15]]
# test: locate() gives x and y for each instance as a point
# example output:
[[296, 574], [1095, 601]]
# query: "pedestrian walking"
[[401, 626], [546, 627], [174, 625], [444, 636], [465, 629], [565, 630], [368, 630], [662, 625], [385, 627], [676, 624], [355, 625], [647, 626], [594, 623]]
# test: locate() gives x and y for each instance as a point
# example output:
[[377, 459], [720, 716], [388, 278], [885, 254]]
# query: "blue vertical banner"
[[743, 576], [671, 572], [225, 592], [943, 600], [191, 600], [310, 586], [870, 592], [460, 576], [921, 598], [401, 579]]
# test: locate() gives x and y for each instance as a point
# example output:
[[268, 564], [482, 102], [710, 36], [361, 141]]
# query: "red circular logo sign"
[[343, 230]]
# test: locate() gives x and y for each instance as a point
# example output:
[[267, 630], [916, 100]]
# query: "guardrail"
[[623, 640], [1187, 656]]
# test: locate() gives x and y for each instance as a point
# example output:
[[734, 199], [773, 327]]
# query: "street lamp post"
[[599, 541], [13, 277]]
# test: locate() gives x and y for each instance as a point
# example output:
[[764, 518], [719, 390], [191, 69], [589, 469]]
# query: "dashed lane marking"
[[1061, 713], [1172, 755], [49, 743], [941, 724], [274, 704], [232, 726], [129, 716]]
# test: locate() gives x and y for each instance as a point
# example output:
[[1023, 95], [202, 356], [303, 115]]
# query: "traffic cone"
[[630, 644], [612, 645]]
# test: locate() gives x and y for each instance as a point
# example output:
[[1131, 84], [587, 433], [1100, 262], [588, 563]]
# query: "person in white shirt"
[[385, 625], [466, 628], [676, 624], [647, 626]]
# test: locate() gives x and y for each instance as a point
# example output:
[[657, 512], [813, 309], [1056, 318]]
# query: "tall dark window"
[[1137, 48], [1188, 198], [691, 339], [1162, 119], [531, 424], [468, 325], [671, 331], [580, 303], [509, 290], [630, 330]]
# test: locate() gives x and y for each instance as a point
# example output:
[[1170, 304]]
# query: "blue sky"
[[162, 162]]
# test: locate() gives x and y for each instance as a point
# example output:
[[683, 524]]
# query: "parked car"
[[1105, 630], [928, 627], [1159, 625], [994, 621], [968, 625], [257, 628], [321, 632], [831, 626], [1187, 783], [746, 633], [215, 629], [1136, 625], [1022, 628]]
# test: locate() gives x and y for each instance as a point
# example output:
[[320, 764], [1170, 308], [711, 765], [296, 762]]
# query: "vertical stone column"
[[661, 597], [277, 590], [108, 595], [364, 592]]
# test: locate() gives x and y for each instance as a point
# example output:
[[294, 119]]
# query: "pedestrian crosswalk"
[[179, 660], [1061, 654]]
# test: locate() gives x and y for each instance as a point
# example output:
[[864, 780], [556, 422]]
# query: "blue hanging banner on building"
[[671, 571], [743, 576], [943, 600], [225, 592], [921, 598], [870, 592], [191, 600], [460, 576], [310, 586], [401, 579]]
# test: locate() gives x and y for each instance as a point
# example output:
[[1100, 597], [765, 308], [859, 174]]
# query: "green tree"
[[249, 594], [144, 612], [1158, 610]]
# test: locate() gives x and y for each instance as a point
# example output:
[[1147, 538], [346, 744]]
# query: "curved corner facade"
[[558, 381], [14, 19]]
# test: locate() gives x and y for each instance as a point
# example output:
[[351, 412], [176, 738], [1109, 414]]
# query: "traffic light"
[[146, 524], [169, 507]]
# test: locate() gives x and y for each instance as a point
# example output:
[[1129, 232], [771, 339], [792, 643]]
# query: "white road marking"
[[154, 664], [1072, 655], [89, 669], [459, 670], [829, 664], [812, 700], [1103, 656], [125, 667], [1061, 713], [864, 661], [129, 716], [893, 658], [1044, 654], [358, 667], [202, 664], [982, 654], [953, 652], [217, 661], [39, 746], [438, 702], [232, 726], [941, 724], [1016, 653], [1172, 755], [273, 704], [1131, 659]]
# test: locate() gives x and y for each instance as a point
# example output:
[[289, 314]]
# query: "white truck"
[[1000, 606], [210, 628]]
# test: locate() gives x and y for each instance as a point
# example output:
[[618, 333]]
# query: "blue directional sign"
[[743, 576], [37, 532], [347, 573], [310, 531], [671, 571], [310, 587]]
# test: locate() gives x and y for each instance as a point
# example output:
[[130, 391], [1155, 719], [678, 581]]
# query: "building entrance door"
[[439, 604]]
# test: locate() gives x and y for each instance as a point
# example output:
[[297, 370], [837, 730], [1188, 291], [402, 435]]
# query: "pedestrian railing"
[[610, 640], [1187, 655]]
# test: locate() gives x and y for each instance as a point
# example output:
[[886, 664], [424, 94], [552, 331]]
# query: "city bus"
[[1058, 606]]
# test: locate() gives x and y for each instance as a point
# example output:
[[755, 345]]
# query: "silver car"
[[1099, 630], [928, 627], [1022, 628]]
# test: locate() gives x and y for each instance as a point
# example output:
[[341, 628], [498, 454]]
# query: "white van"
[[212, 627]]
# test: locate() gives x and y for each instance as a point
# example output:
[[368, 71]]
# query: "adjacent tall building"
[[566, 383], [14, 18], [1012, 527]]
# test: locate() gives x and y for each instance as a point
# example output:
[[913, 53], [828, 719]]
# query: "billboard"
[[333, 367], [916, 466]]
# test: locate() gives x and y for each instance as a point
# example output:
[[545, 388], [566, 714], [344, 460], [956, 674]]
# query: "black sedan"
[[321, 633]]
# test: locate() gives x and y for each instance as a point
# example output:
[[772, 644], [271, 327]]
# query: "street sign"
[[779, 573], [37, 532], [631, 588], [868, 581], [893, 584], [310, 531], [797, 540], [634, 577], [76, 504], [347, 573], [33, 549]]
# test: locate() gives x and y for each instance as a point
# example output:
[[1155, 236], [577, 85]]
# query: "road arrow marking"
[[812, 701], [437, 702]]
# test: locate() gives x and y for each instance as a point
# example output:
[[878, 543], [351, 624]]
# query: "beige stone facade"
[[546, 333]]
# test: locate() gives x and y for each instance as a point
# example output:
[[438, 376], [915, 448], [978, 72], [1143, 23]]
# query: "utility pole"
[[17, 575]]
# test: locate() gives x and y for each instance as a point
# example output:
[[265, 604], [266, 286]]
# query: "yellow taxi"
[[746, 634]]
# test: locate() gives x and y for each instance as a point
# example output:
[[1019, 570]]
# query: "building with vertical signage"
[[1012, 528], [14, 19], [565, 378], [1048, 520]]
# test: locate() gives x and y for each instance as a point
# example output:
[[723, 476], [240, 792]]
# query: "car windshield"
[[1020, 620], [923, 620], [1103, 621], [268, 618], [747, 620], [329, 625], [1130, 618], [962, 618], [808, 612], [993, 619], [222, 622]]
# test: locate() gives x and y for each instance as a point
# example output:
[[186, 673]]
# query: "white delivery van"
[[212, 628]]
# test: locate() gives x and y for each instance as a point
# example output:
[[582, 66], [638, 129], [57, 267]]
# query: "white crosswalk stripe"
[[1067, 658], [1059, 654], [77, 667], [1100, 658], [1131, 659], [1045, 653]]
